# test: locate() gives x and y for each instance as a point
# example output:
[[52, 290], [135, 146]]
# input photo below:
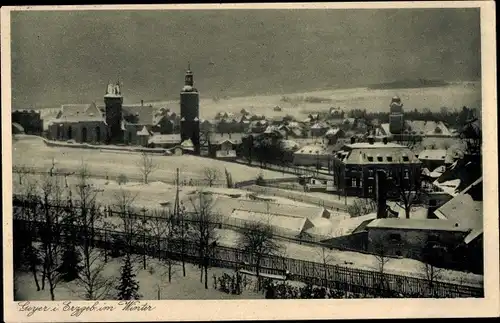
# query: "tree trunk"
[[34, 271], [257, 272], [407, 212], [170, 270], [51, 288], [206, 274]]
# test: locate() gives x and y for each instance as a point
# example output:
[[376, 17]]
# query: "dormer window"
[[379, 158], [370, 158], [389, 158], [406, 158]]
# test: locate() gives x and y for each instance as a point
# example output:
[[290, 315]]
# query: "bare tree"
[[407, 188], [50, 235], [161, 226], [326, 259], [123, 201], [22, 172], [205, 223], [92, 279], [146, 165], [212, 175], [381, 252], [257, 238], [432, 254]]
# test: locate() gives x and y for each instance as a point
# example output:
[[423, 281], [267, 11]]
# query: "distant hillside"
[[408, 84]]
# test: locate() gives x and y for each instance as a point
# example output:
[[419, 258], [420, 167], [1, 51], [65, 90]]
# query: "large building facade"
[[355, 165]]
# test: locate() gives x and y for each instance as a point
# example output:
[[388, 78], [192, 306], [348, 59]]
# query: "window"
[[406, 158], [370, 158], [379, 158], [70, 132], [370, 173], [407, 174], [389, 158], [389, 173], [353, 182], [395, 237], [361, 182], [370, 189]]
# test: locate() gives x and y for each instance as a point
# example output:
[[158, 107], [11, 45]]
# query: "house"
[[78, 122], [409, 238], [318, 129], [313, 155], [164, 141], [428, 128], [433, 158], [336, 114], [30, 120], [355, 165], [333, 134], [451, 239], [224, 146]]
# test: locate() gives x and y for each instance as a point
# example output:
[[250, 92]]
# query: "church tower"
[[190, 111], [113, 100], [396, 120]]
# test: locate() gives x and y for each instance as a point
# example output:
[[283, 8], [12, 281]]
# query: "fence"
[[62, 172], [334, 276]]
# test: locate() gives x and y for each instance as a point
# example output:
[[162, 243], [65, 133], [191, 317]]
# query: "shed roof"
[[294, 224], [414, 224], [226, 205], [165, 139]]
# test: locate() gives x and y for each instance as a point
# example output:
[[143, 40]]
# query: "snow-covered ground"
[[153, 282], [407, 267], [33, 152], [151, 195]]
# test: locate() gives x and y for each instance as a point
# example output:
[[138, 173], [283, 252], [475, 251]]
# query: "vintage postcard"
[[249, 161]]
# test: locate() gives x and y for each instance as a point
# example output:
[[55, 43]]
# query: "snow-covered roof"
[[433, 154], [143, 132], [225, 206], [416, 224], [289, 223], [165, 139]]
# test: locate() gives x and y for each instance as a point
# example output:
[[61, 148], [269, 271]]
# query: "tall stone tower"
[[190, 111], [113, 100], [396, 119]]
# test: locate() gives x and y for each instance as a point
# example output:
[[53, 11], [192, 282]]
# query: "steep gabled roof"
[[138, 114], [466, 208], [79, 113]]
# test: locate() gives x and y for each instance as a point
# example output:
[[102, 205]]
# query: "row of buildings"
[[120, 124]]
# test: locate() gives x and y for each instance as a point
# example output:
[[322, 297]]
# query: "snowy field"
[[32, 152], [153, 284]]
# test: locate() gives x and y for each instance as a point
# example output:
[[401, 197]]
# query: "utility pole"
[[180, 217]]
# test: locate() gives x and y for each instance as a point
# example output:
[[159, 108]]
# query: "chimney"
[[381, 194], [430, 210], [371, 140], [142, 103], [353, 140], [385, 140]]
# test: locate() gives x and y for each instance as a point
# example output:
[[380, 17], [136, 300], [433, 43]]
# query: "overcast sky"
[[68, 57]]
